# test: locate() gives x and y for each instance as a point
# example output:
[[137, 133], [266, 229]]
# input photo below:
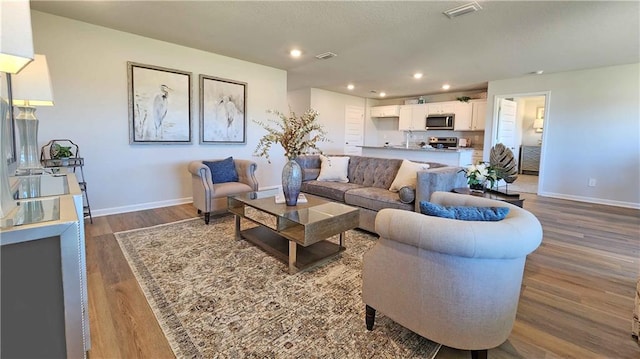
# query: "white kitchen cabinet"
[[385, 111], [412, 117], [463, 111], [439, 108], [476, 157], [478, 115]]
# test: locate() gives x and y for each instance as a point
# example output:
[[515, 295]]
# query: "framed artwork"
[[540, 112], [7, 120], [159, 105], [223, 109]]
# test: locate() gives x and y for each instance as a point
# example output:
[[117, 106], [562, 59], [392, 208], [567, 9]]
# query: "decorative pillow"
[[334, 169], [406, 175], [222, 171], [464, 213], [407, 194]]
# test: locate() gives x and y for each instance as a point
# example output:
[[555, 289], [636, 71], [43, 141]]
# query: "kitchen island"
[[448, 156]]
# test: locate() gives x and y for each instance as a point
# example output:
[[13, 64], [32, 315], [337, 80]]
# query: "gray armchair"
[[209, 197], [454, 282]]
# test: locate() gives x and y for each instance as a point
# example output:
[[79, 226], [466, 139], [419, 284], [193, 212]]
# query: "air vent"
[[325, 56], [463, 9]]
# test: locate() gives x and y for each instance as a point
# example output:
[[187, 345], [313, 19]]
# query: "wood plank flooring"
[[576, 302]]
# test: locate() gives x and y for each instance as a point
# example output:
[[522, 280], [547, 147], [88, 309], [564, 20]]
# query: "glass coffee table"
[[296, 235]]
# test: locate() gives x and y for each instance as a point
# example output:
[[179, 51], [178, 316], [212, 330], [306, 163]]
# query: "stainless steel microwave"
[[440, 122]]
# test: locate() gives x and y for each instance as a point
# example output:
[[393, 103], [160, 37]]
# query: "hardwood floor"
[[576, 302]]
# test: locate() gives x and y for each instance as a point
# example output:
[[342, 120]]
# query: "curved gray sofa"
[[369, 182]]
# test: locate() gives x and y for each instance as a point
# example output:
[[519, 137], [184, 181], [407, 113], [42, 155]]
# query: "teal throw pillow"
[[464, 213], [222, 171]]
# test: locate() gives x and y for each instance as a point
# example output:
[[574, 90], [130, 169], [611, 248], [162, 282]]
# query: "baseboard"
[[150, 205], [590, 200], [140, 207]]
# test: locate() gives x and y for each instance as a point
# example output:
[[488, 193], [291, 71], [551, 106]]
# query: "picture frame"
[[160, 107], [540, 112], [223, 109], [7, 120]]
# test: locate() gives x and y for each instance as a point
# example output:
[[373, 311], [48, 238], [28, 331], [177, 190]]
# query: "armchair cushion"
[[472, 213], [222, 171]]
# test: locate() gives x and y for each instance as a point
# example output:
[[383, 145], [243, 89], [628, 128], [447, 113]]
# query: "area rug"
[[216, 297]]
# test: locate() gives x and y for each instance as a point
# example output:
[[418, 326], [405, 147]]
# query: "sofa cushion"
[[222, 171], [407, 175], [334, 169], [375, 198], [465, 213], [331, 190]]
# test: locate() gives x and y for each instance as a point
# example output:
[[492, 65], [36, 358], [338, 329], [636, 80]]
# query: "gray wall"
[[88, 66], [592, 130]]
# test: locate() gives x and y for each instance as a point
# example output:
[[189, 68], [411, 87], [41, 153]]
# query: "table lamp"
[[538, 124], [31, 87], [16, 51]]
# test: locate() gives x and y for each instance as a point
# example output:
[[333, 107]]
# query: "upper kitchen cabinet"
[[439, 108], [385, 111], [464, 116], [473, 118], [412, 117]]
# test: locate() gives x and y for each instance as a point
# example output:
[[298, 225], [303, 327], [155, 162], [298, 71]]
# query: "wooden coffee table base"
[[296, 256]]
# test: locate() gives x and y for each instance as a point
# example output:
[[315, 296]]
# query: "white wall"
[[88, 66], [592, 130], [331, 108]]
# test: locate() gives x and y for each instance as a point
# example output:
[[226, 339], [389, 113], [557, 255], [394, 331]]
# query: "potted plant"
[[478, 175], [296, 135], [61, 153]]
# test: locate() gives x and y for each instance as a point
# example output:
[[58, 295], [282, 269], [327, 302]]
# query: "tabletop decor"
[[478, 176], [296, 135]]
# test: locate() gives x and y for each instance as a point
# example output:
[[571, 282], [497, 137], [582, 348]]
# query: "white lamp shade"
[[32, 86], [16, 39]]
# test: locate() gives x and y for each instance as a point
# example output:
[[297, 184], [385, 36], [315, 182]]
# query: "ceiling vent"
[[325, 56], [463, 9]]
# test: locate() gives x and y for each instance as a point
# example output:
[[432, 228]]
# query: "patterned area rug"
[[216, 297]]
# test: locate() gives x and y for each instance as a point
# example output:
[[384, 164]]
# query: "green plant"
[[61, 152], [293, 133], [480, 173], [463, 99]]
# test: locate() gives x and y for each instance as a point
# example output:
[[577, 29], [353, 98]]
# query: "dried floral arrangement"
[[296, 134]]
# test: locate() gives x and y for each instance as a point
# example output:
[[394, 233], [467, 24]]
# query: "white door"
[[506, 133], [353, 130]]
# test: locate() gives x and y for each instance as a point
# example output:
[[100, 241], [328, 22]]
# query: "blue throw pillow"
[[223, 171], [464, 213]]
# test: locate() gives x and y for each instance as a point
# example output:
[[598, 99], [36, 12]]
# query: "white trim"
[[152, 205], [590, 200], [140, 207]]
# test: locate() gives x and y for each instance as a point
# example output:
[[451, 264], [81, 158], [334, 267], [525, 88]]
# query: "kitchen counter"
[[448, 156]]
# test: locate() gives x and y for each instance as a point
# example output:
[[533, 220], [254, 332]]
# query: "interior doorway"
[[527, 142]]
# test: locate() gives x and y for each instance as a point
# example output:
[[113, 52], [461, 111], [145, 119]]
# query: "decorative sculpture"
[[502, 160]]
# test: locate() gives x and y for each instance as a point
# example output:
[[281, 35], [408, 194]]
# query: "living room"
[[88, 66]]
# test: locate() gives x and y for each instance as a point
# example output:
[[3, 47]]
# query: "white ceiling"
[[380, 44]]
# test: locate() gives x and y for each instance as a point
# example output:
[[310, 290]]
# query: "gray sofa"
[[369, 182]]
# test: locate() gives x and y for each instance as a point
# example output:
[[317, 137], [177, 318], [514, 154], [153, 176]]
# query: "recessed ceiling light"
[[295, 53], [446, 86], [539, 72], [383, 94], [417, 75], [350, 86]]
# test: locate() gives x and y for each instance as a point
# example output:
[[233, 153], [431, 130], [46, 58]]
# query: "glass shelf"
[[37, 211], [40, 186]]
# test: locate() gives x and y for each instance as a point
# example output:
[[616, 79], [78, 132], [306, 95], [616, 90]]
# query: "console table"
[[513, 199]]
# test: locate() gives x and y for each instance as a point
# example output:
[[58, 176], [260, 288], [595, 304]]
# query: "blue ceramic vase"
[[291, 182]]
